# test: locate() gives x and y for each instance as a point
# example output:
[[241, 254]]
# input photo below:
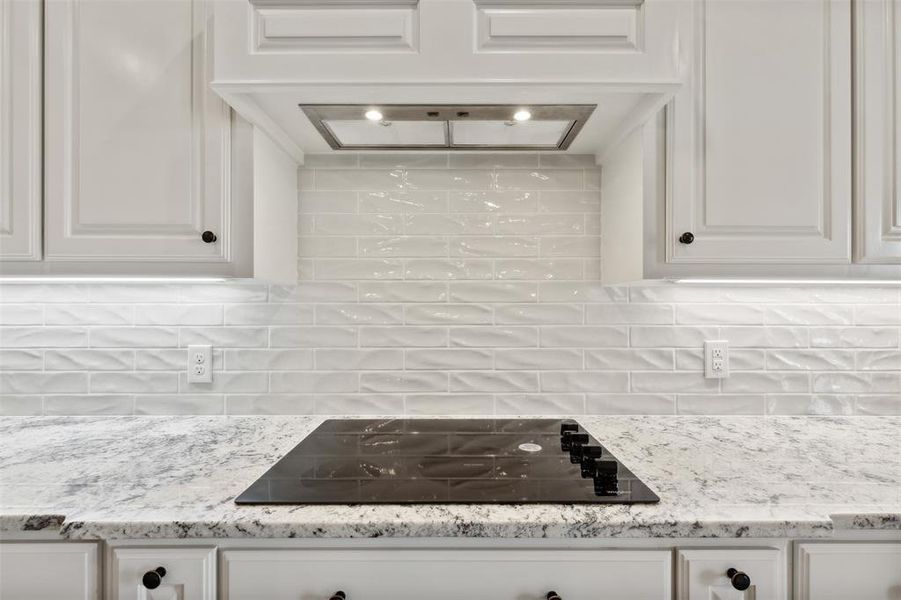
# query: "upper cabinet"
[[20, 130], [624, 56], [137, 161], [878, 131], [139, 173], [761, 133]]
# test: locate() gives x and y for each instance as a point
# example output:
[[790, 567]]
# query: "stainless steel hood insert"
[[448, 127]]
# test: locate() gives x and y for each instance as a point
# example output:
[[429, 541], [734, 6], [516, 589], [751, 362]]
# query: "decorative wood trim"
[[21, 133], [527, 26], [329, 27], [877, 162]]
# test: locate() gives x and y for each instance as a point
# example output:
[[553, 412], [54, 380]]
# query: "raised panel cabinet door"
[[877, 195], [49, 571], [187, 573], [705, 574], [20, 130], [840, 571], [759, 157], [394, 574], [137, 145]]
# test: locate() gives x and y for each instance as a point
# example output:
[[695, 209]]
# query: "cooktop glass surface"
[[425, 461]]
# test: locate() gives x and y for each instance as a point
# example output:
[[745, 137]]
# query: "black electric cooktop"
[[426, 461]]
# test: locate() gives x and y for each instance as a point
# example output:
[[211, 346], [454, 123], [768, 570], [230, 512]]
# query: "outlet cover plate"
[[200, 364]]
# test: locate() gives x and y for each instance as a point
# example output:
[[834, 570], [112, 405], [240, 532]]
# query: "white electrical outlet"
[[716, 359], [200, 364]]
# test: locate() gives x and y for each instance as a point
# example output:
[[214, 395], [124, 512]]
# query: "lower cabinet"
[[446, 574], [49, 571], [739, 574], [154, 573], [858, 571]]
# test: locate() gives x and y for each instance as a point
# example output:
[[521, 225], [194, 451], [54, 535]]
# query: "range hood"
[[448, 127]]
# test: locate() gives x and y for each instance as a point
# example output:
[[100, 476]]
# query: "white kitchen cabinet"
[[20, 130], [839, 571], [49, 571], [389, 574], [759, 139], [878, 131], [137, 155], [189, 573], [702, 574]]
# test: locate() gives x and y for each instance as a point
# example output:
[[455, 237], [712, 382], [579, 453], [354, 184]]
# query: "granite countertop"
[[176, 477]]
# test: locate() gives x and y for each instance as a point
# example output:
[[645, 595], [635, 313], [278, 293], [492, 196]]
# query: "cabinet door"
[[759, 157], [446, 574], [878, 135], [137, 145], [840, 571], [49, 571], [20, 130], [190, 573], [702, 574]]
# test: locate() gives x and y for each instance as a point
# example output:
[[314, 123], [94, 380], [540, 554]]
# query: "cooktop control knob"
[[569, 440], [590, 454], [605, 482], [573, 427], [339, 595], [553, 596], [577, 441]]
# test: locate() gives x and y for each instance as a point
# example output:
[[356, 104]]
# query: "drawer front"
[[49, 571], [702, 574], [446, 574], [843, 571], [190, 573]]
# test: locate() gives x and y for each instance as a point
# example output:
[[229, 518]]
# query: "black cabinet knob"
[[208, 237], [152, 579], [552, 595], [740, 580], [339, 595], [687, 237]]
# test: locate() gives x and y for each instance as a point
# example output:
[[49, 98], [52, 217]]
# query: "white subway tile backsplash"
[[134, 337], [453, 359], [21, 360], [361, 314], [544, 358], [89, 360], [447, 314], [494, 381], [449, 404], [404, 381], [403, 337], [145, 382], [539, 314], [340, 359], [494, 337], [431, 269], [449, 284], [21, 314]]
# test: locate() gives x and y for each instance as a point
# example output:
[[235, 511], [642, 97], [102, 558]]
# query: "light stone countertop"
[[177, 477]]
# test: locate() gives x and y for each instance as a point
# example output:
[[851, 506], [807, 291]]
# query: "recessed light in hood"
[[448, 127]]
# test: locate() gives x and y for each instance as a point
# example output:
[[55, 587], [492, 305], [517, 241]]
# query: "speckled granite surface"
[[175, 477]]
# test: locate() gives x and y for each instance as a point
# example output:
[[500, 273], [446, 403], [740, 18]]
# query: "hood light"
[[522, 115], [373, 115]]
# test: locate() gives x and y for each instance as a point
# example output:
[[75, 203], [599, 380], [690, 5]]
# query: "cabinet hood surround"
[[274, 56]]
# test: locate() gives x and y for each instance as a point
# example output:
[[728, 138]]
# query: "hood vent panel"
[[449, 127]]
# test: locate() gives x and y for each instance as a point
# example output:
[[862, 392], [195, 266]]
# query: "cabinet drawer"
[[841, 571], [446, 574], [190, 573], [702, 574], [49, 571]]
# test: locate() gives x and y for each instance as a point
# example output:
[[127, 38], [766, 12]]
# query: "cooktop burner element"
[[425, 461]]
